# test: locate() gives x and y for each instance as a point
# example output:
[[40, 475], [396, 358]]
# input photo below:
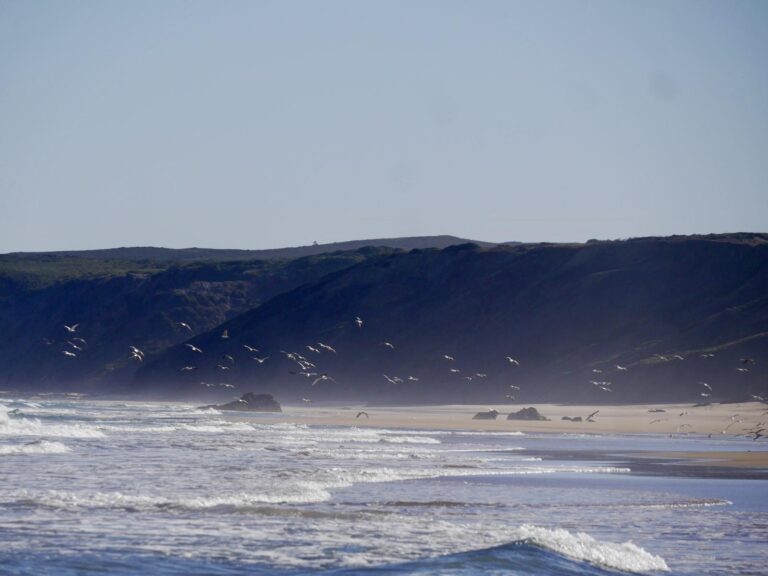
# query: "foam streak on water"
[[130, 488]]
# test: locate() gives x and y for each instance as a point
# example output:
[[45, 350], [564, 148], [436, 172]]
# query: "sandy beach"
[[665, 419]]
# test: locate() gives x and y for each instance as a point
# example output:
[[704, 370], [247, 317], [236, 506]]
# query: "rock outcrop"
[[527, 414], [489, 415]]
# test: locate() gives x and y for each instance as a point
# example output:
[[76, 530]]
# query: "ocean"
[[97, 487]]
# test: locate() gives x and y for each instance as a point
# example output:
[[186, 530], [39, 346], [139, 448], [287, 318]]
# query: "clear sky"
[[260, 124]]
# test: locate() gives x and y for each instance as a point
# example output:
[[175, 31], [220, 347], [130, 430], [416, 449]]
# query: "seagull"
[[359, 321], [225, 334], [71, 329], [228, 357], [621, 368], [222, 367], [70, 354], [413, 378], [389, 345], [75, 346], [513, 361], [468, 378], [227, 385], [311, 349], [250, 348], [758, 398], [363, 413], [595, 413], [306, 400], [82, 340], [510, 396], [390, 380], [705, 394], [137, 356], [321, 378], [481, 375], [185, 325], [661, 357], [683, 413], [187, 368], [261, 360], [708, 355], [677, 357], [742, 369], [449, 358], [597, 370], [326, 347], [193, 348], [707, 386], [747, 360], [454, 370]]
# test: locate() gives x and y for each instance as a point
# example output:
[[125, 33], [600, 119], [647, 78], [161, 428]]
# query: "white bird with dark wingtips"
[[513, 361], [194, 348], [250, 348]]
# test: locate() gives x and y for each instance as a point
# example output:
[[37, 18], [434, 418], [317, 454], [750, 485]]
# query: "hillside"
[[132, 306], [570, 314]]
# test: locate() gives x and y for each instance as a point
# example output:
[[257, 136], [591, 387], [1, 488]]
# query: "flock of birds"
[[306, 368]]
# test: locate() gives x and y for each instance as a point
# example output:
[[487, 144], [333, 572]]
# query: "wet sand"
[[717, 420]]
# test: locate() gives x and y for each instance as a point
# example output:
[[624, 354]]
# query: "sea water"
[[90, 487]]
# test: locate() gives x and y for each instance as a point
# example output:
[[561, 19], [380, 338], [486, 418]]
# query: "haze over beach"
[[386, 287]]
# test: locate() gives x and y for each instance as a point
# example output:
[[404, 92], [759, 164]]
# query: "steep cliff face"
[[571, 315], [142, 309]]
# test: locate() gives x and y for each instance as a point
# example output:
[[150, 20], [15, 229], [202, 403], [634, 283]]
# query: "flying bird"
[[513, 361], [362, 413], [595, 413], [75, 346], [261, 360], [321, 378], [413, 378], [311, 349], [71, 329], [390, 380], [225, 334], [389, 345], [621, 368], [81, 340], [70, 354], [187, 368], [449, 358], [358, 321], [250, 348], [707, 386], [185, 325], [194, 348], [326, 347], [229, 357], [222, 367]]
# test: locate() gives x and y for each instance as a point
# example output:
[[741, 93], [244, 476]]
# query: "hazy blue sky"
[[261, 124]]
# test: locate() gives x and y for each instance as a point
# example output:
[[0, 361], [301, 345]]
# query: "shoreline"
[[725, 421]]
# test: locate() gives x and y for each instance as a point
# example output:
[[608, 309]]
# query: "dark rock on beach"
[[250, 402], [526, 414], [489, 415]]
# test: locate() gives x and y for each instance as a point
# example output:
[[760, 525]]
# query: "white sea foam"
[[580, 546], [39, 447], [22, 426]]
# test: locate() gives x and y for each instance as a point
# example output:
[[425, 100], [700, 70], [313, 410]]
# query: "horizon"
[[468, 240]]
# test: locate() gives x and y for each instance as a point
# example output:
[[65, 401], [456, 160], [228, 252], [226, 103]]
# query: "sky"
[[260, 124]]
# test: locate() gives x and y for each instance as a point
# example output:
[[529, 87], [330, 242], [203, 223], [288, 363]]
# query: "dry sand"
[[676, 419]]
